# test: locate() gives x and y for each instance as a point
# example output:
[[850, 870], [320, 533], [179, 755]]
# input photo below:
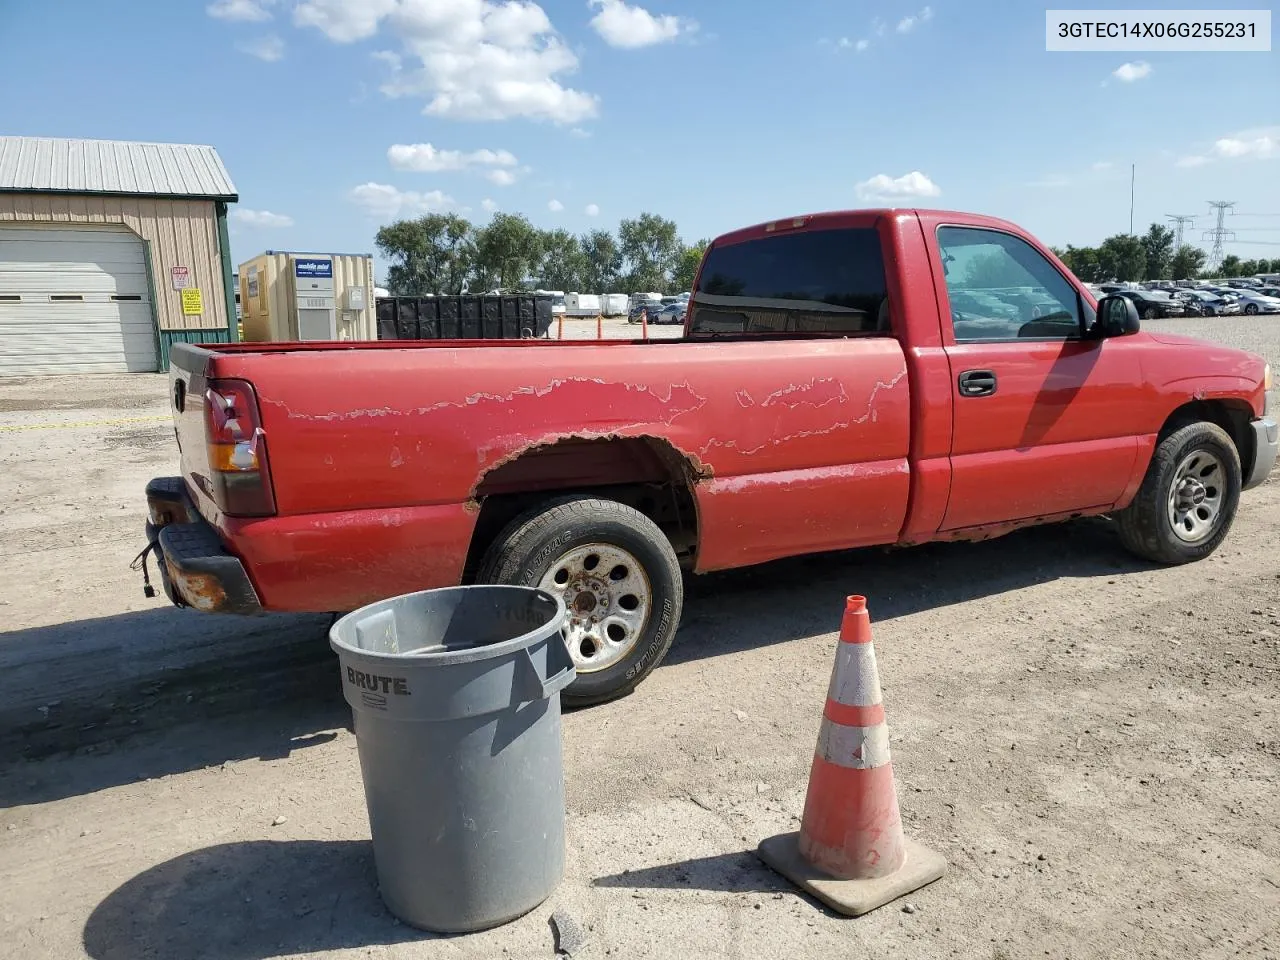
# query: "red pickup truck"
[[844, 379]]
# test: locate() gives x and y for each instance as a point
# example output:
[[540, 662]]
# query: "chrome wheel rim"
[[1196, 495], [608, 598]]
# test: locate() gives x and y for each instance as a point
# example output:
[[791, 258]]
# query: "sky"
[[336, 116]]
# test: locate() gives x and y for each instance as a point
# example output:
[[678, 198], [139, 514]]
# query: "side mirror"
[[1117, 317]]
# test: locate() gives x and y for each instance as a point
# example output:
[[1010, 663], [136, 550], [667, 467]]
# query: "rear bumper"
[[195, 569], [1266, 443]]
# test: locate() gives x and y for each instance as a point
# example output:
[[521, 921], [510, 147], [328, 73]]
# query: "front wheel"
[[1251, 309], [1187, 500], [1150, 313], [618, 576]]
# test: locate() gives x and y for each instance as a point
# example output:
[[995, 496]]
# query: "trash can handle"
[[536, 688]]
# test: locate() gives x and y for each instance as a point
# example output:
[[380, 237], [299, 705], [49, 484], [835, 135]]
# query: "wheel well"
[[646, 473], [1233, 416]]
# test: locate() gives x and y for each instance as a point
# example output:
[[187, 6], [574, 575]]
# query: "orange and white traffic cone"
[[850, 851]]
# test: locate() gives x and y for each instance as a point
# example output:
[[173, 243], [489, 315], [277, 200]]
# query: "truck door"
[[1045, 420]]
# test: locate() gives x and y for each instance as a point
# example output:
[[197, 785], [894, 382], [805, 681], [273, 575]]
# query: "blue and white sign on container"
[[313, 268]]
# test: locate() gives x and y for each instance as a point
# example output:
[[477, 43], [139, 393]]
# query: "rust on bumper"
[[197, 572]]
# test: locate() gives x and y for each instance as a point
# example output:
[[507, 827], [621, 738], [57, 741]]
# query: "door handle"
[[977, 383]]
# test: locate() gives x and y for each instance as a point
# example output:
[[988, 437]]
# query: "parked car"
[[1269, 291], [807, 409], [671, 313], [1252, 302], [1205, 304], [651, 307], [1153, 304]]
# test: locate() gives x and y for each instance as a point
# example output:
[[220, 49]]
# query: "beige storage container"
[[307, 296]]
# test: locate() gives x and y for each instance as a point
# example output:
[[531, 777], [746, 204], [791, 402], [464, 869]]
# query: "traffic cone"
[[850, 851]]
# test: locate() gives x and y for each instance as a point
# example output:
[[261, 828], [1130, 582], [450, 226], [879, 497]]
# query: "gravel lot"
[[1091, 742]]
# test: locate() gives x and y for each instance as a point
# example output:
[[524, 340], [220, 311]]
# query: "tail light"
[[240, 474]]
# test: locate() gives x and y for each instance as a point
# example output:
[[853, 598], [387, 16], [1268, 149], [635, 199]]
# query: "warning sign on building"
[[181, 277], [192, 302]]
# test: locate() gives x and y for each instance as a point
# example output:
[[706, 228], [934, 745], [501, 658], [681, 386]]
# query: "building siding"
[[177, 232]]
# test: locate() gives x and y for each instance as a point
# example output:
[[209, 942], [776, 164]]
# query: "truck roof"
[[859, 217]]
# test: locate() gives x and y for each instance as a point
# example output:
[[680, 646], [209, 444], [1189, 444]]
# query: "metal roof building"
[[114, 167], [110, 252]]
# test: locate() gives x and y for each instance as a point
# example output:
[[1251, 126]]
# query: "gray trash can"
[[456, 697]]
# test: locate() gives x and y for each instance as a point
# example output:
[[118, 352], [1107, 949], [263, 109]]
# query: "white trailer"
[[582, 305], [614, 304]]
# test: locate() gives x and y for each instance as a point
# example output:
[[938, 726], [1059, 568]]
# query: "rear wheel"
[[1188, 499], [1150, 313], [618, 576]]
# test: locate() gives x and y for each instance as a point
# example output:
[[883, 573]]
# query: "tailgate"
[[188, 380]]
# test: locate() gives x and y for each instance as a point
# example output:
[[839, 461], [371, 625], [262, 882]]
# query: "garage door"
[[74, 301]]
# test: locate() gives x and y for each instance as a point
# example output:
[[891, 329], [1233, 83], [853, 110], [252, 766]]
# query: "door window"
[[1002, 288]]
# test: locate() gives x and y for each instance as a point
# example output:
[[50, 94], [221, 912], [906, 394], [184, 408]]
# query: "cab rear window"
[[816, 281]]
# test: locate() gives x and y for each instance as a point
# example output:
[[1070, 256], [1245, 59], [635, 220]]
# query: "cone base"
[[853, 898]]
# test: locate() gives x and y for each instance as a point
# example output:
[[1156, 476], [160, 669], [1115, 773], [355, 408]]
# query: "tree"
[[602, 261], [508, 251], [432, 254], [1186, 263], [687, 265], [992, 270], [1157, 243], [650, 247], [1083, 262], [563, 266], [1122, 257], [1249, 267], [1230, 267]]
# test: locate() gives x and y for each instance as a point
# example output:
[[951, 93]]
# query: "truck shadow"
[[739, 609], [189, 691], [248, 901]]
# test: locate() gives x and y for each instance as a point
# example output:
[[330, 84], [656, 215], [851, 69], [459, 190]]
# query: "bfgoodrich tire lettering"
[[1147, 525], [562, 531]]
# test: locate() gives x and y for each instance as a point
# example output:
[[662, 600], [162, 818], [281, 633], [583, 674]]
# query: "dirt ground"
[[1092, 742]]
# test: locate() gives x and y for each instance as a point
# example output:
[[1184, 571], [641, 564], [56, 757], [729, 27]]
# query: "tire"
[[1151, 313], [1251, 309], [1155, 527], [559, 538]]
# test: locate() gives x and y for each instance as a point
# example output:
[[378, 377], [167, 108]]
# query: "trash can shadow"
[[248, 901]]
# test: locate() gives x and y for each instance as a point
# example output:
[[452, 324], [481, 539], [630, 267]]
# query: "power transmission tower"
[[1219, 233], [1179, 221]]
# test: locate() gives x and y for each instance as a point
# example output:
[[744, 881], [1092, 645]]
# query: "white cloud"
[[907, 24], [1257, 144], [879, 26], [579, 133], [1192, 161], [469, 59], [622, 25], [488, 206], [343, 21], [592, 210], [907, 186], [555, 206], [385, 201], [844, 43], [249, 11], [861, 45], [501, 177], [269, 48], [424, 158], [1103, 165], [1129, 72], [261, 218]]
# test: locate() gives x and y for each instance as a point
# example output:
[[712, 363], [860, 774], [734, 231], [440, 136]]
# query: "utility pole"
[[1219, 233], [1179, 221], [1133, 173]]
